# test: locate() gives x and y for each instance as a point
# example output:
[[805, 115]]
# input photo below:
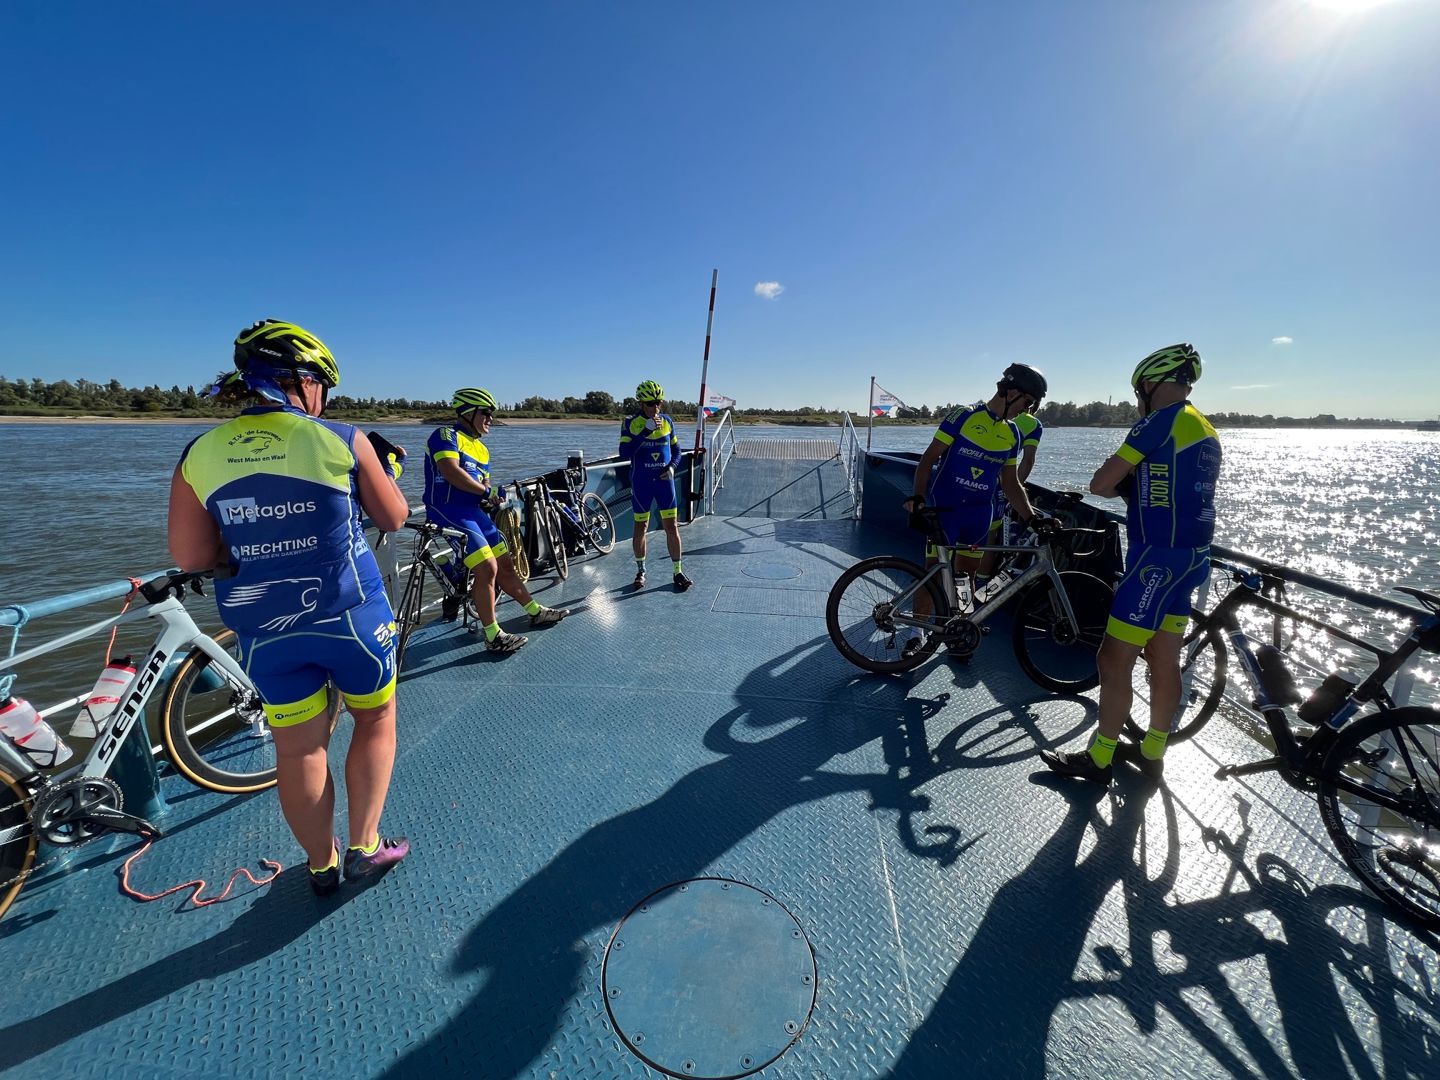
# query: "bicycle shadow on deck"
[[1023, 958], [777, 749]]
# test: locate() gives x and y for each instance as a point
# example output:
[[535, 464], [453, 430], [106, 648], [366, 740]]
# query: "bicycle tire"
[[17, 856], [231, 759], [1054, 654], [412, 605], [1203, 664], [857, 618], [1395, 752], [599, 523], [555, 531]]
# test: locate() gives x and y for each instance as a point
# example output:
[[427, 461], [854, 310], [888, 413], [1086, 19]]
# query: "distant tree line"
[[38, 397]]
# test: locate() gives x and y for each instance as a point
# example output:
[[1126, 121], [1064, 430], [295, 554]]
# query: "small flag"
[[715, 403], [885, 403]]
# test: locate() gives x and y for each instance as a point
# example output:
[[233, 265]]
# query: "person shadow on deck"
[[534, 945]]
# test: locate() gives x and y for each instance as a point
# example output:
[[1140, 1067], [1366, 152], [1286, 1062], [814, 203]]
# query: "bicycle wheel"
[[412, 604], [1386, 819], [599, 523], [861, 614], [555, 534], [1054, 653], [17, 853], [1203, 660], [214, 727]]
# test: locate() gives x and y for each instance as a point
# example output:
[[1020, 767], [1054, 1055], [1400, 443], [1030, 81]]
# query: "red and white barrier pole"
[[705, 365]]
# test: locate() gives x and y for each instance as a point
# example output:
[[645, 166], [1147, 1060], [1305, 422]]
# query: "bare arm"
[[193, 534], [380, 496], [1027, 462], [1015, 492], [932, 454], [1107, 479]]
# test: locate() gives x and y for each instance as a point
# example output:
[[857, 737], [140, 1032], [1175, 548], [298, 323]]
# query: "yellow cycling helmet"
[[285, 349], [1174, 363], [649, 390], [472, 397]]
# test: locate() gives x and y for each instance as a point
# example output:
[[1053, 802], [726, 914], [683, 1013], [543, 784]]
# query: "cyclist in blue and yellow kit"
[[272, 501], [457, 490], [1031, 431], [977, 448], [1174, 456], [649, 443]]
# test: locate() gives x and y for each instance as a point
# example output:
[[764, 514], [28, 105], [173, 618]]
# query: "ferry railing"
[[722, 449], [850, 460]]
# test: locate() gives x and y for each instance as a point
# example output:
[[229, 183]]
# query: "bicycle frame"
[[177, 636]]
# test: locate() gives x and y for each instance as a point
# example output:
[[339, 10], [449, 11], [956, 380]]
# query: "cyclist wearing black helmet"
[[977, 448], [275, 495], [1166, 471]]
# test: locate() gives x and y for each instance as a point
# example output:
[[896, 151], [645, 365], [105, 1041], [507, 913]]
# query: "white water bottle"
[[101, 701], [20, 721]]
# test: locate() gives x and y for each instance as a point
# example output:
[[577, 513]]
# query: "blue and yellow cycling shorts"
[[644, 491], [963, 525], [483, 539], [1154, 594], [355, 651]]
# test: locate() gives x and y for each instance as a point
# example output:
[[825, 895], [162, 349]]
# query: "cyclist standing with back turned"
[[272, 501], [1174, 456]]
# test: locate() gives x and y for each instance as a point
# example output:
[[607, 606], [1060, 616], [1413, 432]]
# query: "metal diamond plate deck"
[[969, 916]]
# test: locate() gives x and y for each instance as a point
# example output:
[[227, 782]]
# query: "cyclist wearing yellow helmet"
[[272, 501], [457, 492], [648, 441], [1166, 471]]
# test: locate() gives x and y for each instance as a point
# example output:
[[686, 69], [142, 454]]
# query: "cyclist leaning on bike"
[[457, 492], [272, 500], [1166, 471], [977, 448]]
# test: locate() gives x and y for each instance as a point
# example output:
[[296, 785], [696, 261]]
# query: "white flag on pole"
[[885, 403], [715, 403]]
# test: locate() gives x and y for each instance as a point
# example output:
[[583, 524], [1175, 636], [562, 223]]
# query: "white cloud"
[[1253, 386], [1282, 341], [769, 290]]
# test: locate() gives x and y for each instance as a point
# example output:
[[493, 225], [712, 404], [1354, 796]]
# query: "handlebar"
[[173, 584]]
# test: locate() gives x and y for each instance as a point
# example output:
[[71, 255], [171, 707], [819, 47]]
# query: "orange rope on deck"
[[199, 884]]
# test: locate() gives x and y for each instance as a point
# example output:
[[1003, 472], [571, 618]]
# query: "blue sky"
[[531, 197]]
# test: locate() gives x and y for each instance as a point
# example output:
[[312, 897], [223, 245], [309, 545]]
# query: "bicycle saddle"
[[1429, 599]]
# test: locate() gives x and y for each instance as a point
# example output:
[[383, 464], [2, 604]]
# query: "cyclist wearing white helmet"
[[1166, 471], [457, 491]]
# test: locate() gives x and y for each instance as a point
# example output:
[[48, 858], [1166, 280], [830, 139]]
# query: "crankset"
[[80, 809], [962, 637]]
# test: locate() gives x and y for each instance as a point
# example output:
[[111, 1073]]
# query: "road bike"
[[439, 558], [586, 524], [888, 614], [211, 723], [544, 534], [1377, 776]]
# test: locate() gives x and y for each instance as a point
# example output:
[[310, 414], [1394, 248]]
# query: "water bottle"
[[20, 721], [446, 563], [1328, 697], [1275, 677], [102, 700]]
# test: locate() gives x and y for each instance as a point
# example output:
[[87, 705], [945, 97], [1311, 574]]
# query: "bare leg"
[[1117, 664], [508, 579], [307, 790], [672, 537], [482, 590], [1162, 652], [367, 770], [637, 540]]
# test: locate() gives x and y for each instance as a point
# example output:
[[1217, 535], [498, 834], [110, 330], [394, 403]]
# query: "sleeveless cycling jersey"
[[978, 446], [473, 456], [647, 450], [281, 485], [1177, 457]]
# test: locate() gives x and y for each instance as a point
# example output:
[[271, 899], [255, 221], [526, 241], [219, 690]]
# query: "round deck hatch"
[[709, 978], [770, 571]]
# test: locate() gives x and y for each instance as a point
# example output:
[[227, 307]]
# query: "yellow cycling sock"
[[1102, 750], [1154, 745], [334, 862], [491, 630], [532, 607], [677, 566], [370, 850]]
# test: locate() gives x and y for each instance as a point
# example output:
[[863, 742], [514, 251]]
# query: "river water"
[[86, 503]]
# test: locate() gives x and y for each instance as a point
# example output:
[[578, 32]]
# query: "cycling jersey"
[[649, 450], [474, 458], [1031, 431], [1177, 457], [978, 446], [281, 485]]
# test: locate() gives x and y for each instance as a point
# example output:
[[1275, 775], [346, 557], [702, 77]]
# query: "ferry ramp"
[[957, 910], [785, 478]]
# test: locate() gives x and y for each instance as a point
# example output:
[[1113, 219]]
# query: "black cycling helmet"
[[1026, 379]]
